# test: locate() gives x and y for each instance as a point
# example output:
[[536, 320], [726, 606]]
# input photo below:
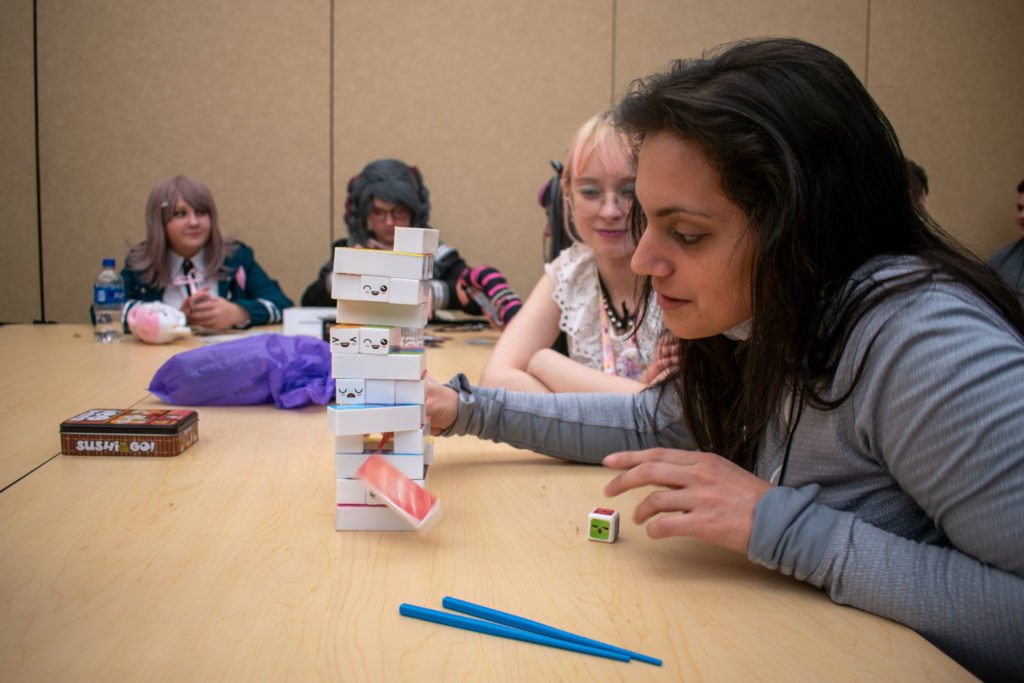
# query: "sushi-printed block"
[[344, 338], [379, 340], [603, 525], [380, 313], [417, 240], [383, 263], [419, 507], [406, 365], [363, 419], [395, 290]]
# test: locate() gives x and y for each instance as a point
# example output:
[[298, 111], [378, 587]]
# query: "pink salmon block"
[[420, 507]]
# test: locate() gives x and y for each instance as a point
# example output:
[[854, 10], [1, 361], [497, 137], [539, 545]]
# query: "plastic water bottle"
[[108, 303]]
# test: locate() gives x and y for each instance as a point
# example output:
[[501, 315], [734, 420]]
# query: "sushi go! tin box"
[[112, 431]]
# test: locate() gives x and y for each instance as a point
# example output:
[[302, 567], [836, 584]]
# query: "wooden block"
[[344, 338], [363, 419], [388, 391], [416, 240], [350, 392], [377, 313], [407, 365], [428, 448], [411, 465], [369, 518], [384, 263], [412, 441], [395, 290], [411, 391], [381, 391], [379, 340], [348, 443]]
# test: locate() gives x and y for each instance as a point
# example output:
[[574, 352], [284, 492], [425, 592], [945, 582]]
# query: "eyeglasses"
[[399, 214], [588, 200]]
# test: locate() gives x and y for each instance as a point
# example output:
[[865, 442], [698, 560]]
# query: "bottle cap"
[[108, 263]]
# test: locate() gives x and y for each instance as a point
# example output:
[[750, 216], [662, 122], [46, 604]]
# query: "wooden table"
[[223, 563]]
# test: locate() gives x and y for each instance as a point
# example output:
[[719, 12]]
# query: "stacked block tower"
[[378, 362]]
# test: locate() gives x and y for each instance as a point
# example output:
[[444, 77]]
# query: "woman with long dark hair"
[[848, 406]]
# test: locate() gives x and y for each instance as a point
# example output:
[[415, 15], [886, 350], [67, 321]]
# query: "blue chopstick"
[[490, 628], [537, 627]]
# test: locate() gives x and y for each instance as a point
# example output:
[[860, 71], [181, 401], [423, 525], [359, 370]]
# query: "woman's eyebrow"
[[669, 210]]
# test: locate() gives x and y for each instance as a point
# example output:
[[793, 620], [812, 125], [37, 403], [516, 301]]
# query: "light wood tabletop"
[[222, 563], [53, 372]]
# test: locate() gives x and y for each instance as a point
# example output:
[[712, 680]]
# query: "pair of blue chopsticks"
[[505, 625]]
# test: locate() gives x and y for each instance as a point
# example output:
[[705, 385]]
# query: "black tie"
[[186, 267]]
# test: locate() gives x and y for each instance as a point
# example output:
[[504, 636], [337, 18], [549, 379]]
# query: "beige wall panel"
[[234, 93], [948, 75], [479, 95], [653, 32], [19, 259]]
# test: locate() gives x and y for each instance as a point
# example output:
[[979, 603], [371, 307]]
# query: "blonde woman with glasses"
[[589, 291]]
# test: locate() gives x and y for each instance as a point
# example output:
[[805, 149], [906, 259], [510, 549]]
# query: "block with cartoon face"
[[374, 288], [351, 392], [603, 525], [345, 339], [379, 340]]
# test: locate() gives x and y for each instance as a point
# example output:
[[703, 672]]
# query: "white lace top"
[[577, 294]]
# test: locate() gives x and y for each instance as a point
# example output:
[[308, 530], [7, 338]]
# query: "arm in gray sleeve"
[[578, 427], [940, 404]]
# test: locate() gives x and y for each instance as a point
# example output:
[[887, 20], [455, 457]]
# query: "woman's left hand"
[[710, 497]]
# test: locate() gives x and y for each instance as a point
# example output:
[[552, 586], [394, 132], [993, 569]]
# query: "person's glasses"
[[399, 214], [588, 200]]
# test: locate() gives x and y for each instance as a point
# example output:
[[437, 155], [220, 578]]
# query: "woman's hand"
[[666, 360], [707, 496], [213, 312], [442, 406]]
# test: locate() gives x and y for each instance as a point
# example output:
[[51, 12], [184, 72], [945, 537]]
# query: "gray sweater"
[[907, 501], [1009, 263]]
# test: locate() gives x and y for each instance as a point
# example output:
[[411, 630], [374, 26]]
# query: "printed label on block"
[[416, 504], [374, 287], [344, 339], [379, 340], [351, 392]]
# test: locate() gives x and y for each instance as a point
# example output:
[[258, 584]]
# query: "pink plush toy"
[[155, 322]]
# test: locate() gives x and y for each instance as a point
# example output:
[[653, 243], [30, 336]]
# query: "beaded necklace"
[[610, 321], [622, 323]]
